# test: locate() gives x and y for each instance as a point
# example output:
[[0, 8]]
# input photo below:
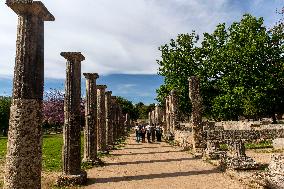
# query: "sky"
[[120, 38]]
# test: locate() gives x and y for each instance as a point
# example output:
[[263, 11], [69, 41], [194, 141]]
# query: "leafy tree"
[[177, 64], [128, 107], [5, 103], [240, 68]]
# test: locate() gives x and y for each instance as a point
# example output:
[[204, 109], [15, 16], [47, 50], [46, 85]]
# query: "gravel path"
[[156, 166]]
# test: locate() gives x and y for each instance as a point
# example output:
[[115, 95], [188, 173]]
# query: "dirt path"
[[156, 166]]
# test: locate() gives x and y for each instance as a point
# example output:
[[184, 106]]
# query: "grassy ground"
[[52, 152]]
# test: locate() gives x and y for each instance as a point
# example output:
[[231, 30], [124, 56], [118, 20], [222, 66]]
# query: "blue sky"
[[120, 38]]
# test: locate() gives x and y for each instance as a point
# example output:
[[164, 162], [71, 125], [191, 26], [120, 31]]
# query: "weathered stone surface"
[[72, 115], [90, 130], [278, 143], [240, 163], [23, 162], [72, 180], [196, 118], [275, 178], [114, 118], [102, 146], [109, 121]]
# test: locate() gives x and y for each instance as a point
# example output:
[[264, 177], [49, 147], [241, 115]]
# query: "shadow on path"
[[150, 176], [150, 161]]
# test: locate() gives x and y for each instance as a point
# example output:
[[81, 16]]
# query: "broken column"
[[72, 173], [101, 118], [90, 130], [237, 158], [24, 149], [109, 122], [196, 115]]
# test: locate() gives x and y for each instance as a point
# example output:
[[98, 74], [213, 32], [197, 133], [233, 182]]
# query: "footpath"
[[156, 166]]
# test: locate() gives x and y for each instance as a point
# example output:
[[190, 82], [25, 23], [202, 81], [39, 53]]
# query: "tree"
[[240, 69], [5, 104], [177, 64], [128, 107]]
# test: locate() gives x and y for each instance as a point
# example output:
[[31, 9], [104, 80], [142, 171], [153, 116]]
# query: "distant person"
[[153, 133], [138, 133], [143, 133], [159, 133], [148, 132]]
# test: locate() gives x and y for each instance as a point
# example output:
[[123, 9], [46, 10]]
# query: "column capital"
[[101, 86], [73, 56], [36, 8], [91, 75], [108, 93]]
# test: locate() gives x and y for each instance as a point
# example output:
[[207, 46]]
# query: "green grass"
[[52, 151], [259, 145], [3, 147]]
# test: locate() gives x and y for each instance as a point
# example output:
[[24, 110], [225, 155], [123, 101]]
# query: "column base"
[[72, 180], [240, 163], [275, 176], [98, 162]]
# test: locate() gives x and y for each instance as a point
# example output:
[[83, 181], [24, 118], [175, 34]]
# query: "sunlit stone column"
[[101, 118], [72, 173], [174, 113], [109, 127], [90, 130], [24, 150], [114, 117], [196, 118]]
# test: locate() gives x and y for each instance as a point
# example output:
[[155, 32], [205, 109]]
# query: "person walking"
[[153, 128], [143, 133], [148, 132], [159, 133], [138, 133]]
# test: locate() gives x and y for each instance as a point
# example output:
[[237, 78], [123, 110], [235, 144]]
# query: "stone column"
[[109, 126], [24, 148], [90, 130], [72, 173], [101, 118], [167, 118], [114, 117], [127, 123], [174, 111], [196, 118]]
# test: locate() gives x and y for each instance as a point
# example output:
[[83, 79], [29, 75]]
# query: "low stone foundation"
[[239, 163], [72, 180]]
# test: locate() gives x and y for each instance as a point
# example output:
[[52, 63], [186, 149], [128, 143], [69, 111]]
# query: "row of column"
[[104, 120], [171, 114]]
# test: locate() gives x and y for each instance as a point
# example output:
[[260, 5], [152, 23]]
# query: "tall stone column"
[[72, 173], [24, 155], [196, 118], [109, 126], [167, 118], [90, 130], [150, 118], [101, 118], [114, 117], [175, 113]]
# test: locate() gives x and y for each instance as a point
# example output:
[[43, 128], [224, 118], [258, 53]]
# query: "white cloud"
[[117, 36]]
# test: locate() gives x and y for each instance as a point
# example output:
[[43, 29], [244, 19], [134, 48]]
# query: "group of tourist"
[[152, 133]]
